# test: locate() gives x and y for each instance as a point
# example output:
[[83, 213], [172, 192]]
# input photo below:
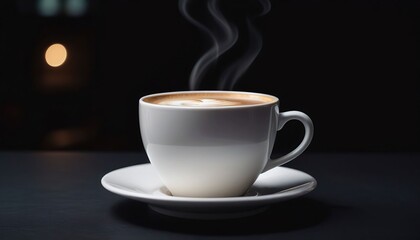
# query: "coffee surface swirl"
[[209, 99]]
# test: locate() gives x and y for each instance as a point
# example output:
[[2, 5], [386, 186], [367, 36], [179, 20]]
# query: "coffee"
[[209, 99]]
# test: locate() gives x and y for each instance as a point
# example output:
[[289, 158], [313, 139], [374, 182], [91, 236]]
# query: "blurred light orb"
[[76, 8], [48, 8], [55, 55]]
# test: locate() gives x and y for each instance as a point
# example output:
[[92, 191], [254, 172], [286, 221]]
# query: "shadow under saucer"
[[281, 217]]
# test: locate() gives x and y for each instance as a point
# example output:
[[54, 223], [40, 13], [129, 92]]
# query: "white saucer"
[[141, 182]]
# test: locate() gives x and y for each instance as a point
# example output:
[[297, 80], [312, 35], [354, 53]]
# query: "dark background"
[[353, 66]]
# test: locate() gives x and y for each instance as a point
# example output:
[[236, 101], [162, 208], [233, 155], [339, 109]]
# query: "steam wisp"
[[223, 36]]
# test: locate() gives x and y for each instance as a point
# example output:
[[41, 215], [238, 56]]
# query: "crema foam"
[[209, 99]]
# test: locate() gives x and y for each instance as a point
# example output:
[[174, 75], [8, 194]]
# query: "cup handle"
[[282, 119]]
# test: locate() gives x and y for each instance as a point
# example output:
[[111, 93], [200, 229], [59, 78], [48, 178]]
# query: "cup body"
[[208, 151]]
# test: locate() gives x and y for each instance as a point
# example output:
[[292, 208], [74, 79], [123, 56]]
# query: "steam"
[[223, 36]]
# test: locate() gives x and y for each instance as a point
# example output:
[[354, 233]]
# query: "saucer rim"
[[155, 199]]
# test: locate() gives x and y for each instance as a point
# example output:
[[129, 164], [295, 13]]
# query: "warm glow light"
[[56, 55]]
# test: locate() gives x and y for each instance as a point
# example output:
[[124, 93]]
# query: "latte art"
[[208, 99], [205, 102]]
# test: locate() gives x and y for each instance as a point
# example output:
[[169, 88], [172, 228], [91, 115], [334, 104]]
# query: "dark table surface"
[[58, 195]]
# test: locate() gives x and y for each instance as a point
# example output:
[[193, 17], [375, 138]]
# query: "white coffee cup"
[[207, 149]]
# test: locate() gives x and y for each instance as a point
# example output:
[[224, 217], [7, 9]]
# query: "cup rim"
[[141, 100]]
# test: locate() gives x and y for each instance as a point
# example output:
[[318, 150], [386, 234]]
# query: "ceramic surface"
[[142, 183], [215, 151]]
